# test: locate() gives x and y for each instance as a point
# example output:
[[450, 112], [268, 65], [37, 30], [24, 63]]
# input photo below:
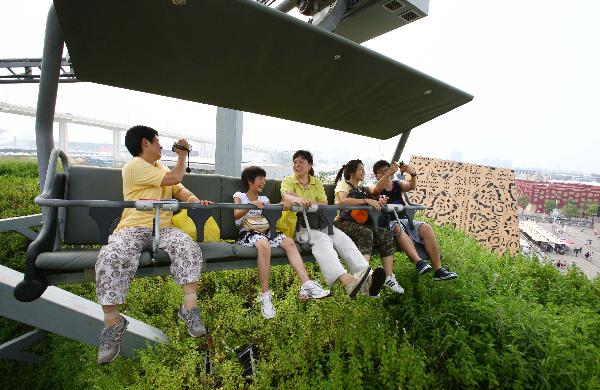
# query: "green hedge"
[[506, 322]]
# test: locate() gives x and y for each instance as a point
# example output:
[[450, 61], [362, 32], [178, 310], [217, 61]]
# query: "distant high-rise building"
[[456, 155], [490, 162]]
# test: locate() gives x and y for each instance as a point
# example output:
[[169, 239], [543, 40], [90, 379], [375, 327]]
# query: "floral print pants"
[[119, 259]]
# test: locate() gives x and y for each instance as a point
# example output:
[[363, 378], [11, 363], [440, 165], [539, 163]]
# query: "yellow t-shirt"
[[314, 192], [341, 186], [142, 180]]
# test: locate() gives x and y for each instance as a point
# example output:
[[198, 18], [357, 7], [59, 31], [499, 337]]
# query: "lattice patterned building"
[[477, 199]]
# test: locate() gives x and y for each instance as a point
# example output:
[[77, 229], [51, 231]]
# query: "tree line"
[[570, 209]]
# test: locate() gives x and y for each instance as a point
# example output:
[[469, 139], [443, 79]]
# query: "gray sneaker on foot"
[[191, 317], [374, 283], [266, 305], [110, 341], [359, 279]]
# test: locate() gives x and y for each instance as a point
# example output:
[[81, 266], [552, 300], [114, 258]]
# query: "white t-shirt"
[[244, 200]]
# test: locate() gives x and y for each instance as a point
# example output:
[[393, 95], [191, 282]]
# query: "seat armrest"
[[410, 213], [35, 283]]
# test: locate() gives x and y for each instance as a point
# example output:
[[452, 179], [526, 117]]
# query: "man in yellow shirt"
[[145, 177]]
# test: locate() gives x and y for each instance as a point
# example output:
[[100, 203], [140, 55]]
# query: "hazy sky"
[[531, 65]]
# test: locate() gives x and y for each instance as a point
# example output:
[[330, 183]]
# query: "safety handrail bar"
[[201, 213], [329, 212], [51, 171], [408, 201], [48, 202], [49, 185]]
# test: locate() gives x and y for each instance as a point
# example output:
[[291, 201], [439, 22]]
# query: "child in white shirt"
[[254, 179]]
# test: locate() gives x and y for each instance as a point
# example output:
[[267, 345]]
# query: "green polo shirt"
[[315, 191]]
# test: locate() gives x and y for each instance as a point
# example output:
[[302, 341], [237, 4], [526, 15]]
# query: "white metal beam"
[[69, 315], [13, 349], [22, 225]]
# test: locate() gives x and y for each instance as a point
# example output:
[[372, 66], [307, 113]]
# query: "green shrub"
[[506, 322], [17, 191], [16, 196], [26, 168]]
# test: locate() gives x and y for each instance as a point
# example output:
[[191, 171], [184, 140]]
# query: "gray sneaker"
[[110, 341], [359, 279], [374, 283], [195, 326]]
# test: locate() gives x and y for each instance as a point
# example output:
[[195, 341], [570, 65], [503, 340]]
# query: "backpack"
[[358, 216]]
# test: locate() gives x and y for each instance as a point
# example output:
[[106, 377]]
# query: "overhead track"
[[28, 70]]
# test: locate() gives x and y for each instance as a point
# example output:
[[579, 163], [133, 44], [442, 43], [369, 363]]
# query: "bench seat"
[[69, 259], [76, 226]]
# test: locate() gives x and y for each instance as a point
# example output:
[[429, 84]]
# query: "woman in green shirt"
[[304, 189]]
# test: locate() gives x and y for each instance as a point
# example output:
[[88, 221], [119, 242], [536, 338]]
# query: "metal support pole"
[[14, 349], [22, 225], [116, 151], [401, 145], [51, 61], [63, 136], [228, 151]]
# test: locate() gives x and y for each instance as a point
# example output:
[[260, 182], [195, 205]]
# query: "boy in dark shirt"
[[422, 232]]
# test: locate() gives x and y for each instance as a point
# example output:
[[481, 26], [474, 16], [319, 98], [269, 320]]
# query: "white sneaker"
[[392, 284], [312, 290], [266, 305]]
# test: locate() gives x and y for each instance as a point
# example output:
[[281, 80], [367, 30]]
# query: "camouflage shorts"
[[365, 239]]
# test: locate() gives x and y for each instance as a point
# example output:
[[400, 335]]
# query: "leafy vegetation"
[[549, 205], [506, 322], [523, 201], [589, 208], [570, 209], [18, 188], [325, 177], [19, 168]]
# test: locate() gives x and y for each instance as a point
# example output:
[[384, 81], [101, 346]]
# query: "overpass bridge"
[[203, 146]]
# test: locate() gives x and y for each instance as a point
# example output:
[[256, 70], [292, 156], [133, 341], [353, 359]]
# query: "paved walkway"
[[590, 268]]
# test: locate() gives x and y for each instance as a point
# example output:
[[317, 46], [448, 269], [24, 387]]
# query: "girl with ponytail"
[[356, 224]]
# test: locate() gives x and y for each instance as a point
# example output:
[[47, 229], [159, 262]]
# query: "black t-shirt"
[[395, 195]]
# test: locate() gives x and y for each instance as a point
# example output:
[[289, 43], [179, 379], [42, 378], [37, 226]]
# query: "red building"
[[539, 191]]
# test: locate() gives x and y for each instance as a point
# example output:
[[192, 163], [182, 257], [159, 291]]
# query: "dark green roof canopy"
[[246, 56]]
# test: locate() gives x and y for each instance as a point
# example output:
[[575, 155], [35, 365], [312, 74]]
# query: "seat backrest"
[[231, 185], [89, 183], [206, 187], [329, 192], [106, 184]]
